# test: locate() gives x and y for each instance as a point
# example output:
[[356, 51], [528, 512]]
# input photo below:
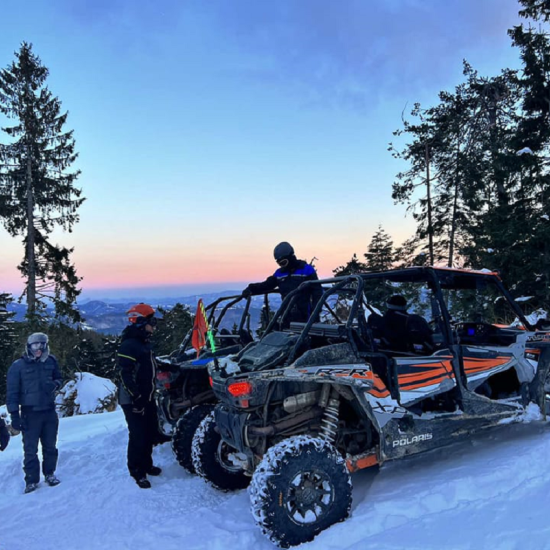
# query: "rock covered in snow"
[[86, 394]]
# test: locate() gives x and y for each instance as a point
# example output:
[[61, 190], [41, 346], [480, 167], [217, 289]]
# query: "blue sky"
[[209, 131]]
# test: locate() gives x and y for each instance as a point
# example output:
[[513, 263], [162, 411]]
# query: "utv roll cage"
[[356, 330], [243, 335]]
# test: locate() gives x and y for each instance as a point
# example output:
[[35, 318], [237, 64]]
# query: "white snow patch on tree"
[[86, 394]]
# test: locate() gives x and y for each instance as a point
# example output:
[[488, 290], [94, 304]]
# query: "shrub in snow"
[[86, 393]]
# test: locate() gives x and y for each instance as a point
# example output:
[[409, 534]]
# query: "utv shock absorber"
[[329, 423]]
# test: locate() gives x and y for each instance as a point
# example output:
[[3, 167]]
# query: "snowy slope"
[[492, 492]]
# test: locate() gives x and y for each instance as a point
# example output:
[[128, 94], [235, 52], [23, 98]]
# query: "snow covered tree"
[[37, 191]]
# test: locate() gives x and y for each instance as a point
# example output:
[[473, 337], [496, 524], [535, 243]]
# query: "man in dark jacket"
[[137, 374], [290, 275], [4, 435], [31, 385]]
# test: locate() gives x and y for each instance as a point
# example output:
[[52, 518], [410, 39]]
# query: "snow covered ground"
[[492, 492]]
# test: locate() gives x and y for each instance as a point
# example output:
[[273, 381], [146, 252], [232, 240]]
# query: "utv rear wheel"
[[300, 488], [212, 458], [183, 434]]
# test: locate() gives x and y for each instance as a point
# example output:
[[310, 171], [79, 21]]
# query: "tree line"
[[476, 183]]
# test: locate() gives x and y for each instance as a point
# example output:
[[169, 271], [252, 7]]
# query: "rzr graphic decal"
[[379, 389], [412, 376], [539, 337], [362, 373], [474, 366]]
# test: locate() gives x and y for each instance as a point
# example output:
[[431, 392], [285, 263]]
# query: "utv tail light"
[[211, 381], [238, 389], [164, 378]]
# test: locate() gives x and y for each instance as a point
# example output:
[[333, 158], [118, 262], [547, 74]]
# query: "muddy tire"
[[211, 458], [300, 488], [186, 427]]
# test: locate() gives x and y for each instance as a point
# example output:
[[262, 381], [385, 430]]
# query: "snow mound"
[[86, 394]]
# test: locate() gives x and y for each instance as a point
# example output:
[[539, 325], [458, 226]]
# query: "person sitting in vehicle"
[[399, 330], [290, 275], [395, 323]]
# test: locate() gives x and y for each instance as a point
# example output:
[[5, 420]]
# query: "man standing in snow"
[[290, 275], [31, 385], [137, 374]]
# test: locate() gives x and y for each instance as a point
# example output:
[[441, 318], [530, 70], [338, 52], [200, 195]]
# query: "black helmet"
[[283, 250], [397, 303]]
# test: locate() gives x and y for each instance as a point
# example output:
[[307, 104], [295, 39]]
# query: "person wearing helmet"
[[31, 385], [135, 395], [288, 277]]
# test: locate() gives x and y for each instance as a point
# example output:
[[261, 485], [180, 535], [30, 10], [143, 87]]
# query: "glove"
[[139, 404], [16, 422], [246, 293], [4, 435]]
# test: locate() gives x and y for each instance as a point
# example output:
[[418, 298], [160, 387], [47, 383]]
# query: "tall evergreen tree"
[[37, 191], [380, 254], [8, 341]]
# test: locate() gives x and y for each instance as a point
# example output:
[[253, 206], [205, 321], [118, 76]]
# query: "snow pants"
[[39, 426], [142, 435]]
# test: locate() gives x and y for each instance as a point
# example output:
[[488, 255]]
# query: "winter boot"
[[154, 471], [143, 483], [52, 481], [31, 487]]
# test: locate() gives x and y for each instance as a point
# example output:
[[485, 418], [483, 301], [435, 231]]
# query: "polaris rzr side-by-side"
[[310, 403], [183, 393]]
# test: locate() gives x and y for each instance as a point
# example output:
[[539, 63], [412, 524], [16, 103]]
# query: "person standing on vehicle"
[[31, 385], [288, 277], [137, 372]]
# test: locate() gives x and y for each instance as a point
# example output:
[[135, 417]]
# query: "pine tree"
[[171, 329], [8, 342], [350, 268], [533, 42], [380, 254], [37, 191]]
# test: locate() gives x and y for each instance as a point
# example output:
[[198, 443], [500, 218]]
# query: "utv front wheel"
[[183, 434], [212, 458], [300, 488]]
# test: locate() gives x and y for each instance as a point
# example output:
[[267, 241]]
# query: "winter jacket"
[[289, 278], [136, 366], [32, 384]]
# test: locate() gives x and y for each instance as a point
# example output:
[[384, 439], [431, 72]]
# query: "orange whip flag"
[[201, 330]]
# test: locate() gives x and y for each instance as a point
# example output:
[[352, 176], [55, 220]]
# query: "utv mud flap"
[[231, 427]]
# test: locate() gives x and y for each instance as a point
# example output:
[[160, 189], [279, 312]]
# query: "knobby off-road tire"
[[300, 488], [183, 434], [211, 458]]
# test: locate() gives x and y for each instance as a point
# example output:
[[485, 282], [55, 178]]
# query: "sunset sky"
[[210, 130]]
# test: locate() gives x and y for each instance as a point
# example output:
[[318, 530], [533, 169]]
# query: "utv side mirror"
[[543, 324]]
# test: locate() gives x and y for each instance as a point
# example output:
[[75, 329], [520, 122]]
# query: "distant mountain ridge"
[[109, 316]]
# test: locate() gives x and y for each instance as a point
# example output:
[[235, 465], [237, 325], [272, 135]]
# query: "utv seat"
[[405, 333]]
